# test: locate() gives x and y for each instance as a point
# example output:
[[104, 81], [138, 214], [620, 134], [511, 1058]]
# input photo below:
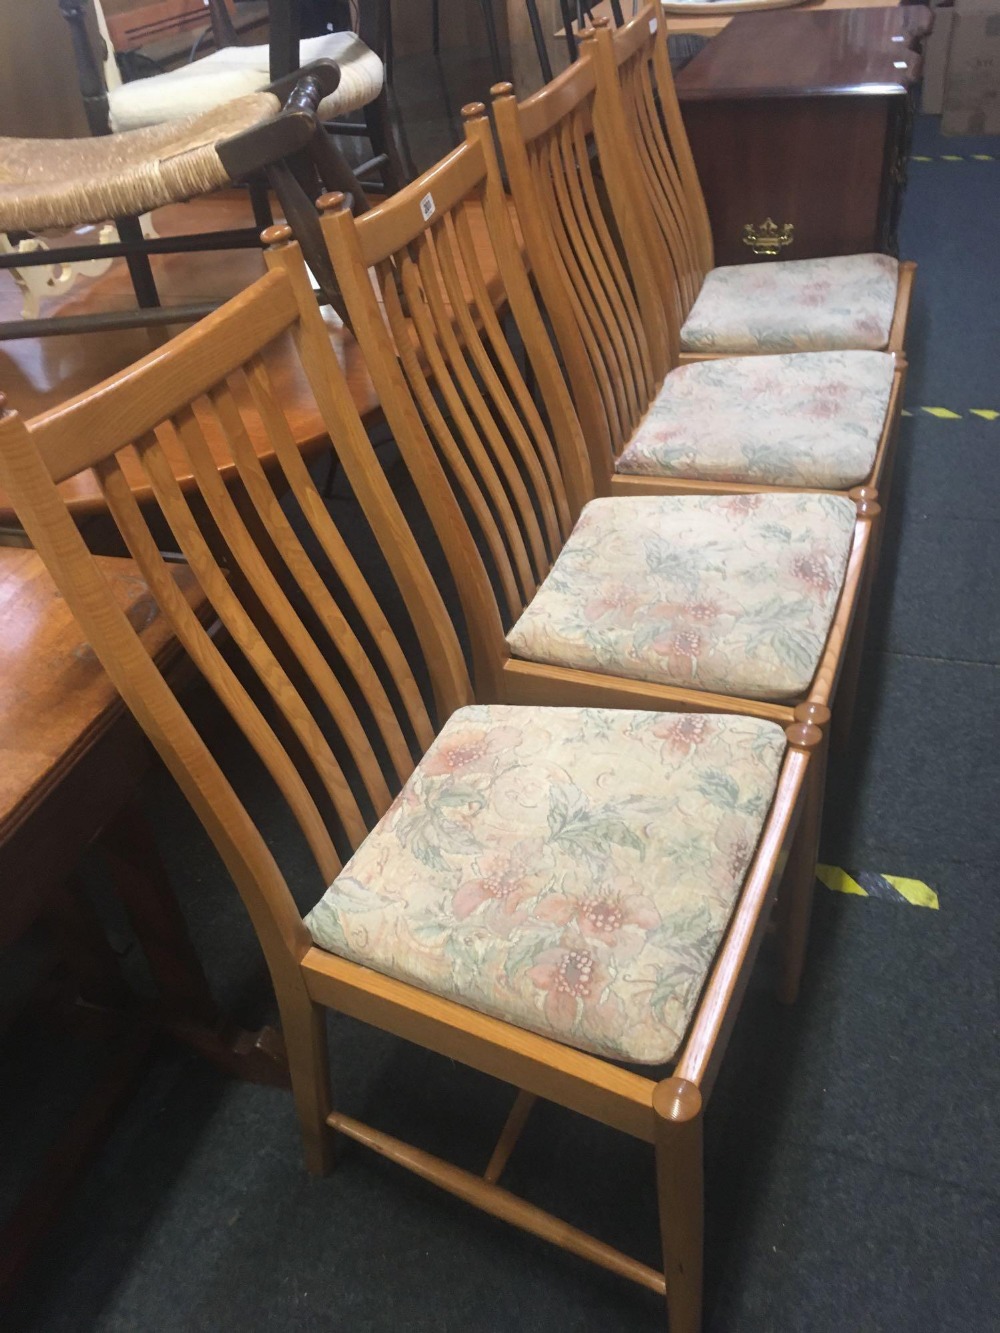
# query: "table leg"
[[185, 1006]]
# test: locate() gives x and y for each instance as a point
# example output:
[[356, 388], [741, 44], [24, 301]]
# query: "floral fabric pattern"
[[799, 305], [807, 419], [571, 870], [732, 594]]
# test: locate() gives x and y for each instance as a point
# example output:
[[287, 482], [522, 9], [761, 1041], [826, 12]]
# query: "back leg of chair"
[[493, 41], [381, 133], [300, 213], [139, 268], [260, 202]]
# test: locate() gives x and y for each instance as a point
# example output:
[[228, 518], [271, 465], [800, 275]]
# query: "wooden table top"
[[38, 373], [709, 25], [55, 698], [803, 53]]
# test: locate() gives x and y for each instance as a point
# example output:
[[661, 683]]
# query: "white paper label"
[[427, 207], [652, 25]]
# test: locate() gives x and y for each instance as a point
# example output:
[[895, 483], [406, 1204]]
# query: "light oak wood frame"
[[671, 177], [639, 298], [395, 267], [402, 288], [218, 363]]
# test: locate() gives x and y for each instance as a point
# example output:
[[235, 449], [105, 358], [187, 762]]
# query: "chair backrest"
[[309, 667], [590, 261], [671, 177], [425, 278]]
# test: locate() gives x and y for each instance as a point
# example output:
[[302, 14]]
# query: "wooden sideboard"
[[801, 119]]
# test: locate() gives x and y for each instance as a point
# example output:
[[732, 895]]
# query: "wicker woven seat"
[[263, 138], [48, 183]]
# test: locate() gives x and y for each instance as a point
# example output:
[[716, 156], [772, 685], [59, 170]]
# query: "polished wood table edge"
[[105, 713], [741, 61]]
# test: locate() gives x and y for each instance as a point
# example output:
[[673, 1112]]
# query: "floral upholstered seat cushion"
[[807, 419], [733, 594], [571, 870], [800, 305]]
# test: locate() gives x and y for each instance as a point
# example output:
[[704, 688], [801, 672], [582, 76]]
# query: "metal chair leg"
[[570, 35], [378, 119], [490, 20], [541, 47], [139, 268]]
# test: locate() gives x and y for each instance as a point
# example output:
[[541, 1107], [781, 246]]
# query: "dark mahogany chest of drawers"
[[800, 126]]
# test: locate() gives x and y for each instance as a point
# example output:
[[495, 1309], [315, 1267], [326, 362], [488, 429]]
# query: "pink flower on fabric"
[[683, 733], [617, 601], [734, 846], [814, 572], [702, 613], [681, 648], [574, 978], [500, 881], [741, 504], [468, 750], [601, 916]]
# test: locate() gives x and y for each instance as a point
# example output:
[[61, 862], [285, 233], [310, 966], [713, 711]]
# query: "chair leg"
[[260, 202], [378, 119], [436, 27], [677, 1126], [490, 21], [303, 1026], [795, 893], [570, 35], [139, 268], [541, 46]]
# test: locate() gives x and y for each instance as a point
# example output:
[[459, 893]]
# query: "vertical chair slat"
[[245, 633], [511, 577], [551, 490], [483, 432], [308, 579], [206, 656], [493, 360], [335, 549], [283, 615]]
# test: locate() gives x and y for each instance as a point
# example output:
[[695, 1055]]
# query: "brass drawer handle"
[[768, 238]]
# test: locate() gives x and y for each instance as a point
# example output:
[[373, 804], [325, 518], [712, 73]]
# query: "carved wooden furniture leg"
[[185, 1007]]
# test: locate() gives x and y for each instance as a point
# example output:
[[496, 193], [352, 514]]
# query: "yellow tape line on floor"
[[954, 157], [946, 414], [889, 888]]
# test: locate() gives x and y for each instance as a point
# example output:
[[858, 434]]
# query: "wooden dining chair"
[[690, 602], [614, 291], [522, 894], [846, 301]]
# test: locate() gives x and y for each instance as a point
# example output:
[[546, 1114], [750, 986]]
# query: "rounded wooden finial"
[[332, 202], [803, 736], [473, 111], [866, 499], [677, 1099], [3, 400], [278, 234], [594, 25], [502, 90], [816, 714]]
